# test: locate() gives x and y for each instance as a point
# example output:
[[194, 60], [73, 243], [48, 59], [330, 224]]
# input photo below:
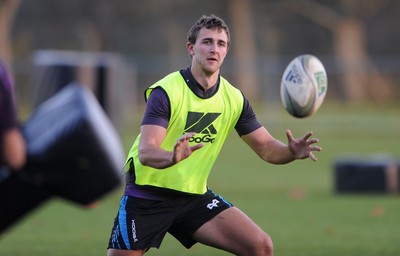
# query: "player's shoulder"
[[230, 88], [165, 83], [172, 77], [224, 82]]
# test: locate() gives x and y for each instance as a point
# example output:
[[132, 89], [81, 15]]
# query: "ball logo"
[[322, 83], [293, 76]]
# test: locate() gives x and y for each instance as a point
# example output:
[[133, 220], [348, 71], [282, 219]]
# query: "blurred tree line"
[[357, 40]]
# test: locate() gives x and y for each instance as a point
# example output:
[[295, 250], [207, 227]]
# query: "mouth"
[[212, 59]]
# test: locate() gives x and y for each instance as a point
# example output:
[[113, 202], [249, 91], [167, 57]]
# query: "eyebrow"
[[211, 39]]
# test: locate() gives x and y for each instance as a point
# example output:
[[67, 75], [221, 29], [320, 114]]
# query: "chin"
[[212, 70]]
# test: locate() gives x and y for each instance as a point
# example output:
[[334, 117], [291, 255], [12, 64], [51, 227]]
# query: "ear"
[[189, 47]]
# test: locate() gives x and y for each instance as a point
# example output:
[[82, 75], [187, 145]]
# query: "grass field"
[[296, 203]]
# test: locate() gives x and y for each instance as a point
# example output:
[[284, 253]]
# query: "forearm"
[[268, 148], [276, 152], [149, 152], [155, 157]]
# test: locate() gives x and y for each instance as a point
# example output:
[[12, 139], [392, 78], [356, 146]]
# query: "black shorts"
[[143, 223]]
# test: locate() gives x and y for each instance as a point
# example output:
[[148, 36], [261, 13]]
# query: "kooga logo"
[[201, 123]]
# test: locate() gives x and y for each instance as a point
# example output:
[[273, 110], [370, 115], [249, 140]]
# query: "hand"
[[303, 147], [182, 150]]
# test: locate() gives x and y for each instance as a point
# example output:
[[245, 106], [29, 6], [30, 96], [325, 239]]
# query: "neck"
[[204, 79]]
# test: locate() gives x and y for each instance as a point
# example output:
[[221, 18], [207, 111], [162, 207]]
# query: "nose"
[[214, 48]]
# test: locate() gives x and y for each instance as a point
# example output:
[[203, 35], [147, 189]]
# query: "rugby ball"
[[304, 85]]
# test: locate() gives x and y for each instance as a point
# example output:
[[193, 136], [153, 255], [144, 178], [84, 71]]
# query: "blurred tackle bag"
[[73, 151]]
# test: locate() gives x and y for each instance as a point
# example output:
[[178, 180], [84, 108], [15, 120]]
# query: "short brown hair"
[[209, 22]]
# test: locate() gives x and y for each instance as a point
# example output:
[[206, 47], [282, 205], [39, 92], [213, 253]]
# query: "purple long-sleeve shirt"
[[7, 107]]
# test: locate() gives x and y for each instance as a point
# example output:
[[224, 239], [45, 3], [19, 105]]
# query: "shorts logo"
[[134, 236], [201, 123], [213, 204], [115, 235]]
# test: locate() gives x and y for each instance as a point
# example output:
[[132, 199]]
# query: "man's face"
[[210, 49]]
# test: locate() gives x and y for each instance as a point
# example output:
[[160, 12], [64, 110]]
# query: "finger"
[[312, 141], [181, 143], [289, 135], [188, 135], [185, 137], [307, 135], [312, 157], [316, 148]]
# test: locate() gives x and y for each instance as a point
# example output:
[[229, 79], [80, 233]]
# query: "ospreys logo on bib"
[[202, 124]]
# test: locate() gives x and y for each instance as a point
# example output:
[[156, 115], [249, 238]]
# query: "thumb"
[[196, 147], [289, 135]]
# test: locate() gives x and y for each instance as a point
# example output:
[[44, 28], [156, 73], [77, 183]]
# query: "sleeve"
[[157, 108], [248, 121], [8, 118]]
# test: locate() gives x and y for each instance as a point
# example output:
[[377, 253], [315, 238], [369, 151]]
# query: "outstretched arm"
[[151, 154], [276, 152]]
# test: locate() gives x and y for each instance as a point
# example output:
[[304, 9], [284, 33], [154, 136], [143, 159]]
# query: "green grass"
[[294, 203]]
